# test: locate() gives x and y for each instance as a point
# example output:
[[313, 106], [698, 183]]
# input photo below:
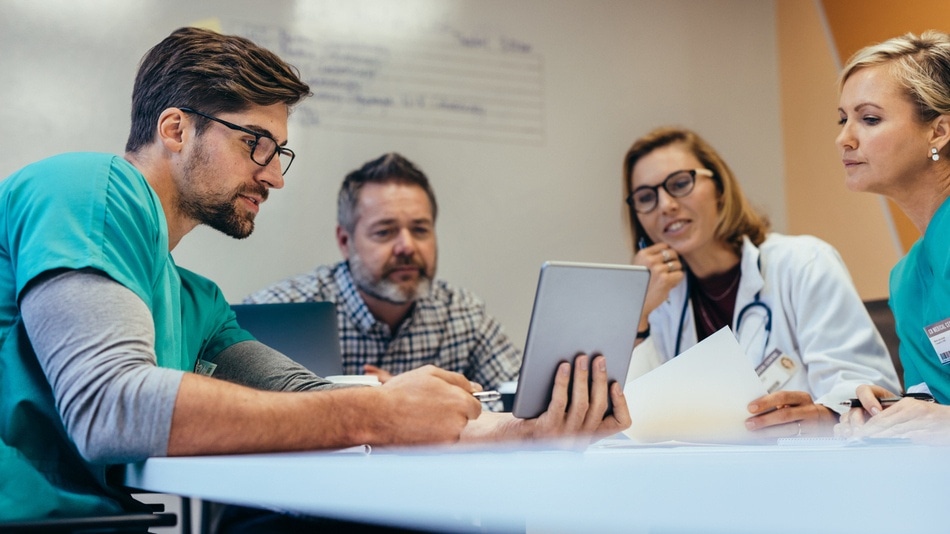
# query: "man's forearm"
[[250, 420], [253, 364], [425, 405]]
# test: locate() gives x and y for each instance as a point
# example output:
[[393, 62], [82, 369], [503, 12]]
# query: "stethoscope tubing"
[[745, 309]]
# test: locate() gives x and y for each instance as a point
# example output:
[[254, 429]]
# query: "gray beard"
[[384, 289]]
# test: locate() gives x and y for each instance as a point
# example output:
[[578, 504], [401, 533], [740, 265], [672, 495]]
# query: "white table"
[[734, 489]]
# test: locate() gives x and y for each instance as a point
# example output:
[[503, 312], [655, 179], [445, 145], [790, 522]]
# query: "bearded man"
[[393, 315]]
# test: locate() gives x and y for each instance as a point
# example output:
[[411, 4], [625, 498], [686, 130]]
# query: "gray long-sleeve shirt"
[[94, 340]]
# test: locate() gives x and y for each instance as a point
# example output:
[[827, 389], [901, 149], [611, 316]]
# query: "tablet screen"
[[579, 308]]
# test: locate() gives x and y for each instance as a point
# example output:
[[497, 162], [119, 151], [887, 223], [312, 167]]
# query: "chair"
[[884, 321], [138, 523]]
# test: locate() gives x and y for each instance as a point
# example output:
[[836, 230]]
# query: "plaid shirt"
[[448, 328]]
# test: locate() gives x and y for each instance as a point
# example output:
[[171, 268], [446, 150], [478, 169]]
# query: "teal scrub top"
[[77, 211], [920, 296]]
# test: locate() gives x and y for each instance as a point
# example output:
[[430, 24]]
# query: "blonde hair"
[[736, 219], [920, 64]]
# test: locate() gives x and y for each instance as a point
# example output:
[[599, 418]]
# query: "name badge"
[[939, 335], [776, 370], [204, 367]]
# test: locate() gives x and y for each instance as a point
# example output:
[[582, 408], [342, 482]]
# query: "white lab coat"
[[818, 319]]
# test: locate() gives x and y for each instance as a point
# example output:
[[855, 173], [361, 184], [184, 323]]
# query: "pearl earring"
[[933, 154]]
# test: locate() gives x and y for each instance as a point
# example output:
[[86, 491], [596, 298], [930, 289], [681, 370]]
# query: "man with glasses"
[[393, 315], [110, 353], [263, 147]]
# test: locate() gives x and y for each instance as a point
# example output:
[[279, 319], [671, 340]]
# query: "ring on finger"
[[666, 255], [670, 266]]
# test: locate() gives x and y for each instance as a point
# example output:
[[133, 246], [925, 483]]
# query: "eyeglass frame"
[[257, 140], [663, 185]]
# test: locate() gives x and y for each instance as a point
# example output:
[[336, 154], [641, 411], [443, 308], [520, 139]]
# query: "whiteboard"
[[519, 111]]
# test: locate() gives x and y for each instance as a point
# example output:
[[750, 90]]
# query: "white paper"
[[365, 380], [699, 396]]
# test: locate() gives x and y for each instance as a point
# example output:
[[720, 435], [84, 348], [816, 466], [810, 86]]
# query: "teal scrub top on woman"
[[920, 298]]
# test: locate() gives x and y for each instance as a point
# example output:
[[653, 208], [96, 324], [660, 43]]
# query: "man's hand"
[[425, 405], [575, 423], [384, 376], [585, 414], [380, 373]]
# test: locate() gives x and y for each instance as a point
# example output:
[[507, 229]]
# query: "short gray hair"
[[391, 167]]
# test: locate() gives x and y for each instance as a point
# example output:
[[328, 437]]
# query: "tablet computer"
[[579, 308]]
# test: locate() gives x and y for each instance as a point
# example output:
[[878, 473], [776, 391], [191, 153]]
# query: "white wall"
[[610, 71]]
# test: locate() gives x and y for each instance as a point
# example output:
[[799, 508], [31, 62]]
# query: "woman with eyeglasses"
[[714, 263], [894, 111]]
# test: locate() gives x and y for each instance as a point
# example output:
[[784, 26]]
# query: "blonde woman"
[[894, 110]]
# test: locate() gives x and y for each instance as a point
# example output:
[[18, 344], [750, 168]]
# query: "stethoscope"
[[757, 303]]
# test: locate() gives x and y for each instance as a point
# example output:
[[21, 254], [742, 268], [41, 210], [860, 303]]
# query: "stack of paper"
[[699, 396]]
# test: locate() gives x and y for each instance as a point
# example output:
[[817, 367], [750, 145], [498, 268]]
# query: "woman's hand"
[[666, 272], [790, 413], [921, 421], [868, 395]]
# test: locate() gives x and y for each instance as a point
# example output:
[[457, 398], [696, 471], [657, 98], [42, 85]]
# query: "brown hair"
[[209, 72], [737, 218]]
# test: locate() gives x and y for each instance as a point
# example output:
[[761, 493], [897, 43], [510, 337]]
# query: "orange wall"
[[818, 203], [854, 24], [858, 23], [814, 40]]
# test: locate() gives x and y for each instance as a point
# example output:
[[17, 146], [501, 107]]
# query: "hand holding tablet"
[[579, 308]]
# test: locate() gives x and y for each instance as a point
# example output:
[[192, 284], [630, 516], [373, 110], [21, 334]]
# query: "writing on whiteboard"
[[447, 83]]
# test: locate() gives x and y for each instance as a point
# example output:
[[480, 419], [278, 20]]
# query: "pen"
[[487, 396], [856, 403]]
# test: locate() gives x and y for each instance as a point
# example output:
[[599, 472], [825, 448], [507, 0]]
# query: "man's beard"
[[383, 289], [208, 209]]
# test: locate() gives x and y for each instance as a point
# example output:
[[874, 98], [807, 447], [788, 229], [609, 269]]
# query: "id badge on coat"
[[776, 370]]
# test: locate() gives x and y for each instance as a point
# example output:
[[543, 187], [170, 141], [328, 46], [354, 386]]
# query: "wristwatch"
[[645, 334]]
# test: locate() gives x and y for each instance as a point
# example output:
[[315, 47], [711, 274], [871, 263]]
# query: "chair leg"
[[185, 515]]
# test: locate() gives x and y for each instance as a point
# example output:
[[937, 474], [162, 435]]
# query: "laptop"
[[306, 332], [579, 307]]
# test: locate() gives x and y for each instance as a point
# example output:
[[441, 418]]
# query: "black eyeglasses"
[[645, 198], [263, 148]]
